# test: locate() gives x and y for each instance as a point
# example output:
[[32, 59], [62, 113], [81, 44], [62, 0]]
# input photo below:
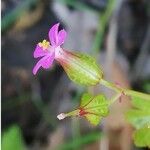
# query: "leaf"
[[95, 107], [86, 97], [12, 139], [142, 137], [98, 105], [139, 117], [140, 104], [140, 114], [93, 119]]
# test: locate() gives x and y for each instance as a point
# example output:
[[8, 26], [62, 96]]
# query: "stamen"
[[44, 44]]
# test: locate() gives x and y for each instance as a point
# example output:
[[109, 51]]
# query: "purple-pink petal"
[[61, 37], [39, 52], [44, 62], [53, 33], [48, 61], [48, 55]]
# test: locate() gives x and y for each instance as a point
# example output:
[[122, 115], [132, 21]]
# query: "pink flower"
[[49, 52], [80, 68]]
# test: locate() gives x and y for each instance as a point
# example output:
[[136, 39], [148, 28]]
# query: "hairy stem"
[[72, 113], [125, 91], [114, 98], [137, 94]]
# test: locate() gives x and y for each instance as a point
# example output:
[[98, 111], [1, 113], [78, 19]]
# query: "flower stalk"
[[69, 114], [114, 98], [127, 92]]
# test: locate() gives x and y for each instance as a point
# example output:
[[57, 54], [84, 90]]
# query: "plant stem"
[[125, 91], [111, 86], [138, 94], [72, 113], [114, 98]]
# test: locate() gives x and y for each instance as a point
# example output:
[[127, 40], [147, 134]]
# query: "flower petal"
[[48, 61], [44, 62], [39, 52], [61, 37], [53, 34]]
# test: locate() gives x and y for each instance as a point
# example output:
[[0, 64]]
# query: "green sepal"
[[81, 68]]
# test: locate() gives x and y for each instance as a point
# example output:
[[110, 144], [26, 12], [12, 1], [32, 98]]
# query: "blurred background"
[[115, 32]]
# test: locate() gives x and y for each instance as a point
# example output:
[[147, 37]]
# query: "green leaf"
[[142, 137], [93, 108], [140, 114], [12, 139], [139, 117], [93, 119], [86, 97], [140, 104], [81, 68], [96, 107]]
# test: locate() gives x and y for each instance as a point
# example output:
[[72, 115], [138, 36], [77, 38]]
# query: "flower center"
[[59, 52], [44, 44]]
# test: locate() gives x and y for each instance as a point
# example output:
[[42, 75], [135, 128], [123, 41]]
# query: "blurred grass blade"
[[12, 139], [80, 141], [103, 22], [9, 18]]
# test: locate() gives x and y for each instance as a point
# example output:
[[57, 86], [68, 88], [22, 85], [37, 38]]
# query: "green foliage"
[[96, 107], [77, 142], [141, 104], [146, 86], [12, 139], [93, 108], [93, 119], [85, 99], [139, 117], [142, 137], [12, 16], [82, 69]]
